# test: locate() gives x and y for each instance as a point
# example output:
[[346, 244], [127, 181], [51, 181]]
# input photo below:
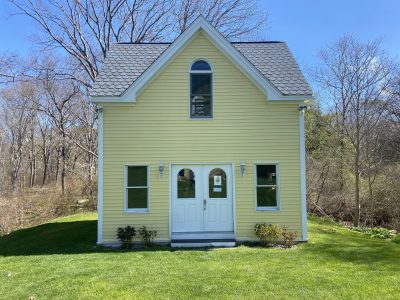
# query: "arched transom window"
[[200, 90]]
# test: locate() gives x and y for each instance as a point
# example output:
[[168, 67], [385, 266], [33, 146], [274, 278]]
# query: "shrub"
[[288, 236], [396, 239], [125, 235], [147, 236], [376, 232], [268, 233]]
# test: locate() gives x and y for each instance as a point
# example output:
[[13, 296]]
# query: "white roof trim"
[[200, 24]]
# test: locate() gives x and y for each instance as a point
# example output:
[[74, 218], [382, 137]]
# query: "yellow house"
[[200, 139]]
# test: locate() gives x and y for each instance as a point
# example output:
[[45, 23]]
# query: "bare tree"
[[85, 29], [235, 19], [46, 143], [7, 68], [356, 77], [17, 117]]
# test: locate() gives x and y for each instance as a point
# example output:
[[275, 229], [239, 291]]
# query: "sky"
[[310, 25], [306, 25]]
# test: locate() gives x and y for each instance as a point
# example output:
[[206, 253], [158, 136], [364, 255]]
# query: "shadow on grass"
[[327, 244], [51, 238], [76, 237]]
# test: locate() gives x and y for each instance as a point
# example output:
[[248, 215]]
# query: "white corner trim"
[[238, 59], [234, 198], [303, 178], [100, 176]]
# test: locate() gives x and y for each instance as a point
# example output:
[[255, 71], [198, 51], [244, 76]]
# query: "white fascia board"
[[111, 101], [160, 64], [303, 98]]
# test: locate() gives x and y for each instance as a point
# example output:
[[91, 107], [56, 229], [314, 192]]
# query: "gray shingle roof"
[[126, 62]]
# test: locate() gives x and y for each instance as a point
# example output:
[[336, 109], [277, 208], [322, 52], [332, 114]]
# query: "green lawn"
[[59, 260]]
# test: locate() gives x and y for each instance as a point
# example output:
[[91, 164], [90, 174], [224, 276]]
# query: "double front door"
[[202, 198]]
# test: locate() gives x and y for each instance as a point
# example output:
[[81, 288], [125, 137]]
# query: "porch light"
[[242, 168], [161, 170], [302, 108]]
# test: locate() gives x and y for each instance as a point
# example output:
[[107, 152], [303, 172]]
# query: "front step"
[[199, 243]]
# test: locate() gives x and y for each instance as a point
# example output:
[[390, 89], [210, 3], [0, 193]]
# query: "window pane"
[[266, 174], [217, 184], [201, 65], [266, 196], [137, 198], [200, 84], [137, 176], [186, 184], [200, 106]]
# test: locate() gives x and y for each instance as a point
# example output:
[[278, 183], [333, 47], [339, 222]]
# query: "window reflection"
[[186, 184], [217, 183]]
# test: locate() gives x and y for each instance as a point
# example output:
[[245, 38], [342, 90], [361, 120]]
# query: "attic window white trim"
[[201, 101]]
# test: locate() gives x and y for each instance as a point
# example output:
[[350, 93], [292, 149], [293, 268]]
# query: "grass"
[[59, 260]]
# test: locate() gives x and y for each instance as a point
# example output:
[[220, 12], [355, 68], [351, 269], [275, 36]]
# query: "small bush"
[[376, 232], [268, 233], [147, 236], [396, 239], [288, 237], [126, 235]]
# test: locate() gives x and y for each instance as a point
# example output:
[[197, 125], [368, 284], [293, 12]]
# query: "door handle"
[[204, 204]]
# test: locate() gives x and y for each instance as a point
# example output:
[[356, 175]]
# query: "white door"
[[217, 187], [202, 198], [187, 198]]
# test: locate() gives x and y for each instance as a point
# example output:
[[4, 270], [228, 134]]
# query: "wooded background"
[[48, 128]]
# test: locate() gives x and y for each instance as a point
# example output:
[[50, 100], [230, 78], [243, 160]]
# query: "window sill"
[[267, 209], [202, 119], [137, 211]]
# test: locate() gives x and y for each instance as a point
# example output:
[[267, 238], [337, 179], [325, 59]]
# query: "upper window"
[[267, 187], [200, 90], [200, 65], [137, 188]]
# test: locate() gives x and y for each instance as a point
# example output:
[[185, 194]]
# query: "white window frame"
[[190, 88], [277, 170], [126, 187]]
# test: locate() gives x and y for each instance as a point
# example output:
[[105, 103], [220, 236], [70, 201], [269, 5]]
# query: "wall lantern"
[[302, 108], [161, 170], [242, 168]]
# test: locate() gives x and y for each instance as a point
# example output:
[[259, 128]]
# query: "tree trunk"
[[341, 160], [57, 166], [357, 181], [63, 165]]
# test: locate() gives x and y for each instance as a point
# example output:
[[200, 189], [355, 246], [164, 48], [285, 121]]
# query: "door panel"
[[202, 198], [218, 215], [187, 200]]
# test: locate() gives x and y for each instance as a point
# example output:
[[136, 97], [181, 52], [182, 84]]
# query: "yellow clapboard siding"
[[245, 128]]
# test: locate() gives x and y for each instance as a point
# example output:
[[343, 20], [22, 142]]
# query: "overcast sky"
[[306, 25]]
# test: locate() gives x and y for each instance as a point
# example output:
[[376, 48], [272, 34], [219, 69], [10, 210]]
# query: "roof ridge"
[[168, 43], [139, 43], [260, 42]]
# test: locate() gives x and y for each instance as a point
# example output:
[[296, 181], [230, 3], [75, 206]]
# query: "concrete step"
[[199, 243]]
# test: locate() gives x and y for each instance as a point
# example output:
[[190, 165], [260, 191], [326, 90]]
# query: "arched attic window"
[[201, 106]]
